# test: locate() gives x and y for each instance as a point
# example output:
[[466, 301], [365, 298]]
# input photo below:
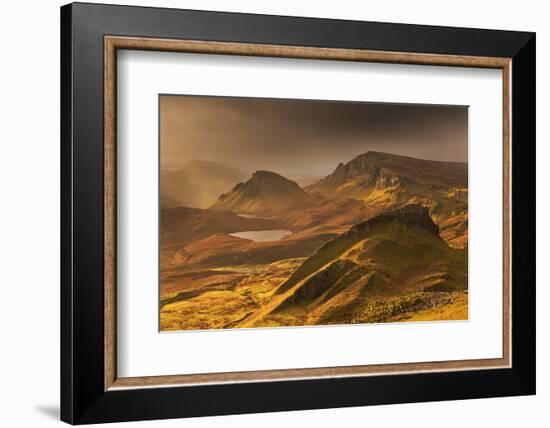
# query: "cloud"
[[305, 137]]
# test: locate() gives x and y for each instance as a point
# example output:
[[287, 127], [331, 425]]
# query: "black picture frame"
[[83, 398]]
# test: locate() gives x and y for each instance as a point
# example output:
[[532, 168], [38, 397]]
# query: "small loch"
[[262, 235], [253, 216]]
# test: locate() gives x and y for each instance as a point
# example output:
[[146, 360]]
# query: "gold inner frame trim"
[[113, 43]]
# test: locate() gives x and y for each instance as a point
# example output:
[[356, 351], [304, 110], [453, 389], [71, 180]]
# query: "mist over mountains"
[[196, 184]]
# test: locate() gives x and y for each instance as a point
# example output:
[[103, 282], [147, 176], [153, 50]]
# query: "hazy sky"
[[297, 137]]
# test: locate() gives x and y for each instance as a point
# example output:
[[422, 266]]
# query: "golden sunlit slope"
[[369, 274]]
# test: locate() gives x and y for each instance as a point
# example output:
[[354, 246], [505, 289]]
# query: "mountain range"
[[375, 181], [382, 238], [387, 181]]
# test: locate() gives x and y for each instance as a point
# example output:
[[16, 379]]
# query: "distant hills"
[[388, 181], [265, 193], [385, 172], [368, 184], [197, 184]]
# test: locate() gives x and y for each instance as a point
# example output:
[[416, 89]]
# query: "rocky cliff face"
[[360, 173], [409, 215], [375, 170]]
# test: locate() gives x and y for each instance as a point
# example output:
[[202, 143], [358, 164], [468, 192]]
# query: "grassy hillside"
[[388, 258], [392, 267]]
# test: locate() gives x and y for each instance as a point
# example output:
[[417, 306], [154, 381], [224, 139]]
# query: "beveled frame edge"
[[113, 43]]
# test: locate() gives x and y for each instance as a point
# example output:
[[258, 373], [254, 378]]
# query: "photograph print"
[[285, 213]]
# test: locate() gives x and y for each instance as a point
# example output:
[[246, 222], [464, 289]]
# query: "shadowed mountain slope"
[[182, 225]]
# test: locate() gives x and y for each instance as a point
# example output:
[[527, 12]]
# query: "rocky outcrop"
[[362, 171], [387, 178], [409, 215]]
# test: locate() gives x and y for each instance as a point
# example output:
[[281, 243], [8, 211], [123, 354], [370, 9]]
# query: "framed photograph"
[[266, 213]]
